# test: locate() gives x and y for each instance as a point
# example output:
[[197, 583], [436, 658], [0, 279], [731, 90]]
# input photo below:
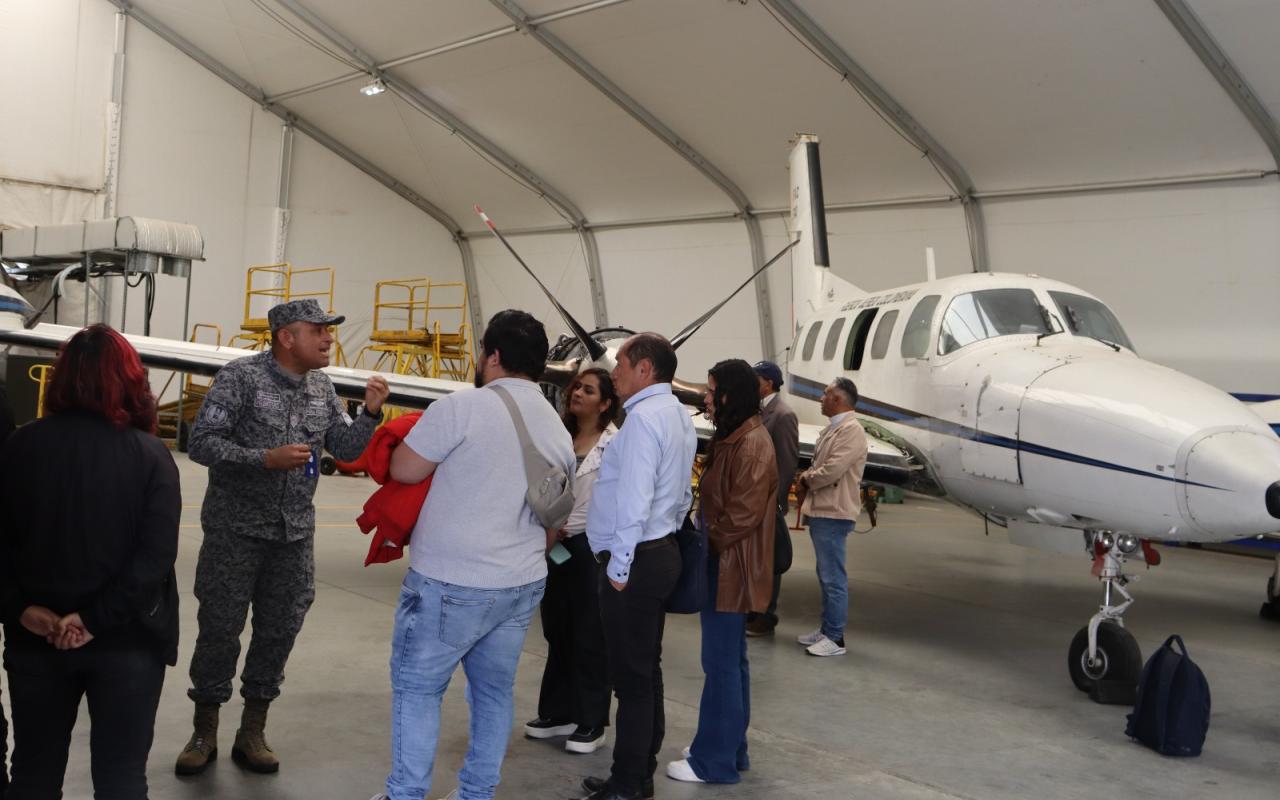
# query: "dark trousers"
[[279, 579], [45, 688], [719, 749], [575, 681], [4, 751], [782, 555], [633, 624]]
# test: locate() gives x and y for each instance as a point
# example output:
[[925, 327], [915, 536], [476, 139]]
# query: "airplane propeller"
[[692, 328], [594, 348]]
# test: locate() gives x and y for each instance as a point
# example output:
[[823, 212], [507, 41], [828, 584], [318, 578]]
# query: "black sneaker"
[[546, 729], [585, 740], [595, 785]]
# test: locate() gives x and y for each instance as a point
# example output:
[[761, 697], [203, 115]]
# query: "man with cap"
[[783, 427], [260, 432]]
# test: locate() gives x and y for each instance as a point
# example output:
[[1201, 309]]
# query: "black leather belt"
[[603, 556]]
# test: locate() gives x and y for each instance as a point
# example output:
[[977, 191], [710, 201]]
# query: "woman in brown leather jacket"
[[738, 494]]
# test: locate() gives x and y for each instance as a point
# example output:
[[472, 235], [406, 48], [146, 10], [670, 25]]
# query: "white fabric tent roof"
[[1021, 95]]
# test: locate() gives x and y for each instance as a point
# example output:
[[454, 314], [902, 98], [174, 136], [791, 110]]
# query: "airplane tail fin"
[[813, 284]]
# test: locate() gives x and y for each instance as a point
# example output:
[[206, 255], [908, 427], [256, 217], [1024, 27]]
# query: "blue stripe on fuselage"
[[812, 390]]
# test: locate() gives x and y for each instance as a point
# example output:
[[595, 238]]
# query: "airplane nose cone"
[[1227, 480], [1273, 499]]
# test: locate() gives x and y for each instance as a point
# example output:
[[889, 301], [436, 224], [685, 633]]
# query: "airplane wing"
[[408, 391]]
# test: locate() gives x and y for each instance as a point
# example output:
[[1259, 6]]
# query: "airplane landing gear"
[[1104, 659], [1271, 608]]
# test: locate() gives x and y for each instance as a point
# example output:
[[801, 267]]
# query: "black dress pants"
[[45, 689], [575, 682], [634, 619]]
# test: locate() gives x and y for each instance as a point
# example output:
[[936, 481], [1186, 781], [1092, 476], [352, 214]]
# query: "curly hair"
[[99, 372], [607, 392], [736, 399]]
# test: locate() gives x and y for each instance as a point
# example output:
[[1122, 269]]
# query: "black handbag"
[[690, 593]]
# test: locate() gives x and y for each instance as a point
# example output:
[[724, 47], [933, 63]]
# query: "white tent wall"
[[338, 217], [1191, 272]]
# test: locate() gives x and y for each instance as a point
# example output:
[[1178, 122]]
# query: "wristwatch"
[[376, 417]]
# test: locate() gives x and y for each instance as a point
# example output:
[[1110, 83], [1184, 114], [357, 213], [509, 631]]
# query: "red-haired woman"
[[90, 504]]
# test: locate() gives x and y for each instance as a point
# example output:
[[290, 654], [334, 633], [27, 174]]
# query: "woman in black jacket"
[[91, 503]]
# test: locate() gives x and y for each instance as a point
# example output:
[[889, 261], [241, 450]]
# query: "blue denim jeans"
[[829, 536], [437, 626], [719, 749]]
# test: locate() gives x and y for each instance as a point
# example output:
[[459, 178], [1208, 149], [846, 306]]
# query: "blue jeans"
[[438, 625], [719, 749], [829, 537]]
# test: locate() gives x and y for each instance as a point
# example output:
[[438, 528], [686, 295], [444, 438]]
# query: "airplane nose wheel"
[[1104, 659]]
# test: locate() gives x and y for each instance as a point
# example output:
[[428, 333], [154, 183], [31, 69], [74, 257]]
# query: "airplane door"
[[991, 451]]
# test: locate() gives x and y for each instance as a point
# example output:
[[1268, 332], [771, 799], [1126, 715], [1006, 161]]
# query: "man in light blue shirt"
[[640, 498]]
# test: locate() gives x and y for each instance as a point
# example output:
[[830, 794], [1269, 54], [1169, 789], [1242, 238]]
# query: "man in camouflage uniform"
[[260, 432]]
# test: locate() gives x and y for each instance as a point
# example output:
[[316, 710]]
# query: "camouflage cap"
[[301, 311]]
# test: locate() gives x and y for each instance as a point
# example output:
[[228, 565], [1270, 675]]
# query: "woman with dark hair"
[[738, 490], [91, 505], [575, 682]]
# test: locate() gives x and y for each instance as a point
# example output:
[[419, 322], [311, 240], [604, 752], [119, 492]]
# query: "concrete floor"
[[955, 684]]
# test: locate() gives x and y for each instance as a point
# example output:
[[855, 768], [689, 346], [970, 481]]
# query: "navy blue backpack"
[[1172, 712]]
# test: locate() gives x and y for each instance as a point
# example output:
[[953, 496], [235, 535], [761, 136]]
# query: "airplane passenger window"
[[880, 344], [1088, 317], [811, 340], [833, 335], [857, 346], [915, 337], [989, 313]]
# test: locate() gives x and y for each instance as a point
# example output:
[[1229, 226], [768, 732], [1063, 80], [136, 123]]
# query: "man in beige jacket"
[[831, 502]]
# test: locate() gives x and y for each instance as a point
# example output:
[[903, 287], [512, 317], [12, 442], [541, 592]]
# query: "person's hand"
[[290, 456], [561, 535], [617, 586], [72, 633], [41, 621], [376, 391]]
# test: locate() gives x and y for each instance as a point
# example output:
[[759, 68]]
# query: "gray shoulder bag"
[[550, 492]]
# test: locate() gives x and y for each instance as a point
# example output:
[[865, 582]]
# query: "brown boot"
[[203, 745], [250, 749]]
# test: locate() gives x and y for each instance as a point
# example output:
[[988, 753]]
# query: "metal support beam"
[[881, 100], [1219, 65], [320, 136], [473, 292], [424, 104], [659, 129]]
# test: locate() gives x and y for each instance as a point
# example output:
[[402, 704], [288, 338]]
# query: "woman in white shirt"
[[574, 700]]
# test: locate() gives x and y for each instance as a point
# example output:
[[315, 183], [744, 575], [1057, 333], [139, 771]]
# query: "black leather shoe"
[[602, 789]]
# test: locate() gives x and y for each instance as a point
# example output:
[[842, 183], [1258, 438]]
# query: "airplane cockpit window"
[[857, 346], [915, 337], [880, 344], [989, 313], [811, 340], [833, 338], [1085, 316]]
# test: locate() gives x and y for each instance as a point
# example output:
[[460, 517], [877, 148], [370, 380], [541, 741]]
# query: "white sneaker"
[[685, 752], [825, 647], [810, 638], [681, 771]]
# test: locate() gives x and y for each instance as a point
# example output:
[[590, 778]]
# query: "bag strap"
[[1176, 638], [1168, 668], [527, 449]]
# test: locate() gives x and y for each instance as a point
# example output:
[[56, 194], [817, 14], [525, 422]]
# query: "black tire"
[[1119, 655], [184, 435], [327, 465]]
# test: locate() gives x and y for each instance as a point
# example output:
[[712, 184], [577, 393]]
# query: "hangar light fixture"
[[373, 87]]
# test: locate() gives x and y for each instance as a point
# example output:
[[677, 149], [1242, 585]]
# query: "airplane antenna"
[[930, 268], [692, 328], [594, 348]]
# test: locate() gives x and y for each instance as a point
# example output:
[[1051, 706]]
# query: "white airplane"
[[1016, 396]]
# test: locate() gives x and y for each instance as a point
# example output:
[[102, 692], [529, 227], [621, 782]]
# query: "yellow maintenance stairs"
[[280, 283], [408, 337]]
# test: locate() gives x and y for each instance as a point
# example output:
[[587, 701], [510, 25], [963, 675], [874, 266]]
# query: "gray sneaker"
[[810, 638], [825, 647]]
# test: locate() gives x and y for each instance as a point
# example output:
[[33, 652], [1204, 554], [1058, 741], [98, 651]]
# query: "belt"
[[603, 556]]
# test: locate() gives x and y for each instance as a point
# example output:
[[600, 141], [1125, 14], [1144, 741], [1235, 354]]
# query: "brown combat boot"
[[250, 749], [203, 745]]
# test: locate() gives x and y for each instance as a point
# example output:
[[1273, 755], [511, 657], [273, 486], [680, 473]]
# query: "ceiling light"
[[373, 87]]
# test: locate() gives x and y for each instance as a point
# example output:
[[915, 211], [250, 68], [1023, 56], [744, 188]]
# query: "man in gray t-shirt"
[[477, 559]]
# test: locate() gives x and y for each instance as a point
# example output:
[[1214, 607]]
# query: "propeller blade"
[[594, 348], [692, 328], [560, 373]]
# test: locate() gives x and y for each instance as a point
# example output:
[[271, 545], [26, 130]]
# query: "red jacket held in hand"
[[393, 509]]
